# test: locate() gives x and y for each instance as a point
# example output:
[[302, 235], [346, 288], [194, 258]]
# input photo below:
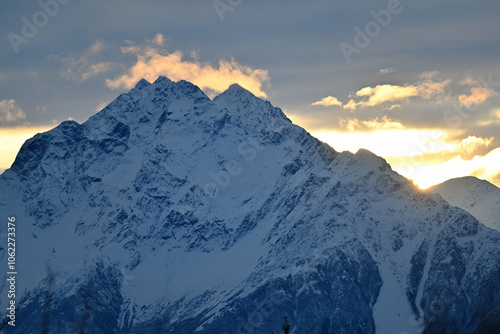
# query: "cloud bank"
[[153, 60]]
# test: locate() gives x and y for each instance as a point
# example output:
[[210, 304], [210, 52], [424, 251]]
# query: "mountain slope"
[[479, 197], [168, 212]]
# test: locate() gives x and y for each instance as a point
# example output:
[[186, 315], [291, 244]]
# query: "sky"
[[416, 82]]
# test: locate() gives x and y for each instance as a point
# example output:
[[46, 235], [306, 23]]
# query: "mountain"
[[168, 212], [479, 197]]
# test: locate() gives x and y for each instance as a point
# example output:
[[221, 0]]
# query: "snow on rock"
[[479, 197]]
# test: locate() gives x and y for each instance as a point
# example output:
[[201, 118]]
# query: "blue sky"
[[419, 83]]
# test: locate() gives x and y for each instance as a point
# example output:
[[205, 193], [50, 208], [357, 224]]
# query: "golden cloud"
[[385, 123], [429, 88], [159, 40], [153, 62], [470, 81], [327, 102], [477, 96], [381, 94], [472, 143]]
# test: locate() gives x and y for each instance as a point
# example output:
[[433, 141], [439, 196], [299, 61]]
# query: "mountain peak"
[[252, 110], [479, 197], [161, 80], [142, 83], [370, 158], [166, 181], [237, 88]]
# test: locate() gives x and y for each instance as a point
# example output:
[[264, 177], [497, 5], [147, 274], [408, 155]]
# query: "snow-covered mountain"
[[479, 197], [168, 212]]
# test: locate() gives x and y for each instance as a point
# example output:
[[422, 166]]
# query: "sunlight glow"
[[426, 175], [427, 157], [385, 143], [11, 140]]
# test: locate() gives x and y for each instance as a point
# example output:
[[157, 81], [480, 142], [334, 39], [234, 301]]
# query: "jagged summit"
[[168, 212], [251, 109], [236, 88], [162, 80], [142, 83], [237, 92]]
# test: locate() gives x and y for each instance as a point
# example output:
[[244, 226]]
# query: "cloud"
[[159, 40], [10, 112], [394, 106], [3, 77], [380, 94], [96, 48], [96, 69], [327, 102], [429, 88], [153, 61], [85, 66], [469, 81], [477, 95], [472, 143], [492, 118], [386, 70], [480, 90], [428, 75], [384, 123]]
